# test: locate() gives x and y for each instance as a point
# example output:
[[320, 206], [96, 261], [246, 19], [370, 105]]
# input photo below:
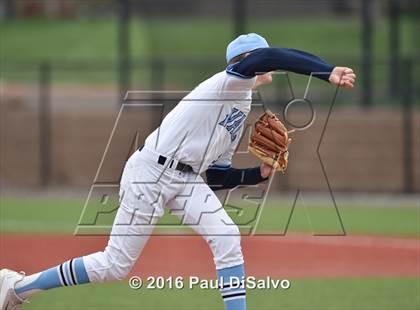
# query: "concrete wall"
[[361, 150]]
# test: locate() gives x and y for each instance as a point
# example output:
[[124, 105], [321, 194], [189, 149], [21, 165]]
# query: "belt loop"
[[161, 160]]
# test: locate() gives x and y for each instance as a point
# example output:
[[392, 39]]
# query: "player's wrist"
[[330, 80]]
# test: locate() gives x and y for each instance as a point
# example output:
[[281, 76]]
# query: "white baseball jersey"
[[205, 126], [203, 129]]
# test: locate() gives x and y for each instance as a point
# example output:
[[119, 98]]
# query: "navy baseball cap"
[[245, 43]]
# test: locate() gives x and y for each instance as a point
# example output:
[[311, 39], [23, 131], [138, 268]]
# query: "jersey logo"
[[233, 121]]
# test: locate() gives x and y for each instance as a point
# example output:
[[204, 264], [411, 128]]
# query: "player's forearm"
[[272, 59], [232, 177]]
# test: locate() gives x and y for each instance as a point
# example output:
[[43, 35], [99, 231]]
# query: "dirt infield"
[[295, 256]]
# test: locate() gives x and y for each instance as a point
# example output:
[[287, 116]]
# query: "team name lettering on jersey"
[[233, 121]]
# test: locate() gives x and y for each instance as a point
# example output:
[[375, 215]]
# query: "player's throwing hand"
[[343, 77]]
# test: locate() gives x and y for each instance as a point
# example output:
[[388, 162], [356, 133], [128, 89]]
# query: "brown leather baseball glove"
[[270, 141]]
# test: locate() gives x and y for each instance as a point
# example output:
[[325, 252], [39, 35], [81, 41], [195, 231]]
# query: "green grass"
[[55, 215], [38, 40], [63, 40], [326, 294], [28, 42]]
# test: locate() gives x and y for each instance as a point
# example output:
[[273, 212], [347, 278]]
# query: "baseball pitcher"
[[199, 135]]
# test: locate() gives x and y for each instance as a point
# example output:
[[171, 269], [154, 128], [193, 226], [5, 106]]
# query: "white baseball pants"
[[146, 188]]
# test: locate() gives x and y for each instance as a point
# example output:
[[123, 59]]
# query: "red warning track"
[[295, 256]]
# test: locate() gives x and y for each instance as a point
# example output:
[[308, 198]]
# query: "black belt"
[[179, 166]]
